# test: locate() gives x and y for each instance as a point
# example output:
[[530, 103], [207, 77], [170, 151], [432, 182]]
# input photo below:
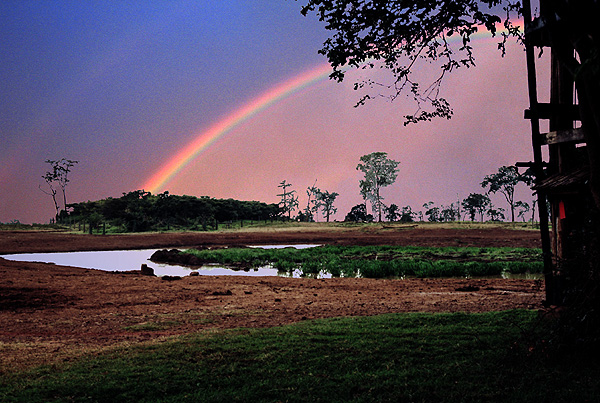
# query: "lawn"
[[394, 357]]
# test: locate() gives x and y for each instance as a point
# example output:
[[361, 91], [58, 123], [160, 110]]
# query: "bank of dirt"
[[50, 313]]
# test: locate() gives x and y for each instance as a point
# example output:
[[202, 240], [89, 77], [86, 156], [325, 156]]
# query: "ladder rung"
[[549, 111]]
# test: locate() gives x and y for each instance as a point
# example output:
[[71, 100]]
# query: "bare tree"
[[58, 178], [50, 180]]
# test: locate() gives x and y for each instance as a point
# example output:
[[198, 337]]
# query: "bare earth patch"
[[49, 313]]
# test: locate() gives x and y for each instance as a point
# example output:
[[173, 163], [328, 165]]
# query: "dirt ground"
[[51, 313]]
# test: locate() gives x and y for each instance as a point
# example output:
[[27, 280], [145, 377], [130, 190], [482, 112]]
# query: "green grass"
[[397, 357], [382, 261], [17, 226]]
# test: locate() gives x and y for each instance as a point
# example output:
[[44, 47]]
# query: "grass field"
[[395, 357]]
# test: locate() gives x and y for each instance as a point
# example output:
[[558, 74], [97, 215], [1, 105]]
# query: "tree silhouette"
[[505, 181], [289, 200], [379, 171], [325, 200], [358, 213], [58, 178], [476, 203]]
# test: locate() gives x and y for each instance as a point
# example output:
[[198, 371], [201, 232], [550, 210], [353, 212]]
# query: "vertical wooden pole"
[[537, 157]]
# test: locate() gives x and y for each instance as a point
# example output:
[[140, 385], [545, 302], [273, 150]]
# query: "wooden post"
[[562, 159], [537, 156]]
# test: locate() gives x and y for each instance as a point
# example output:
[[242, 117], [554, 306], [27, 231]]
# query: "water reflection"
[[522, 276], [125, 260], [114, 260]]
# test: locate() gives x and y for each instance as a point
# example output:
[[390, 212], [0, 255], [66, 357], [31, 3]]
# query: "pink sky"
[[124, 92], [318, 135]]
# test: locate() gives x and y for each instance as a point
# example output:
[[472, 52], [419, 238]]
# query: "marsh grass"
[[382, 261], [395, 357]]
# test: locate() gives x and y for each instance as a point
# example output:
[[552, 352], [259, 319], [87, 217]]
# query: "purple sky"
[[122, 86]]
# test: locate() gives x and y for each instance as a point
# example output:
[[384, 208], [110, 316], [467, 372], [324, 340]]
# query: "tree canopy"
[[476, 203], [380, 171], [398, 34], [358, 213], [142, 211], [505, 181], [325, 200]]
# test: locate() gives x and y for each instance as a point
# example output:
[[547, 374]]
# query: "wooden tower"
[[560, 184]]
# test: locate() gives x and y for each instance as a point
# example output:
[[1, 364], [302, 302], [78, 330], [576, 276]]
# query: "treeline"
[[139, 211], [475, 205]]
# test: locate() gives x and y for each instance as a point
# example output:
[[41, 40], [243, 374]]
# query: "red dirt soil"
[[50, 313]]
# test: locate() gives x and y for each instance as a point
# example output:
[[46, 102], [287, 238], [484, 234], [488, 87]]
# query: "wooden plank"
[[530, 164], [547, 111], [564, 136]]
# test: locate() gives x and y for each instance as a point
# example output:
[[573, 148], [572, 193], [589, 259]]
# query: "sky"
[[231, 97]]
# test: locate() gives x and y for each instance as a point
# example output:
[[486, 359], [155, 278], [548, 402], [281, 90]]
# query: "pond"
[[125, 260]]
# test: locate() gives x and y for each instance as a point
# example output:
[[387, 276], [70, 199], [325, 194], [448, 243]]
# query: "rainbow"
[[284, 90], [224, 126]]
